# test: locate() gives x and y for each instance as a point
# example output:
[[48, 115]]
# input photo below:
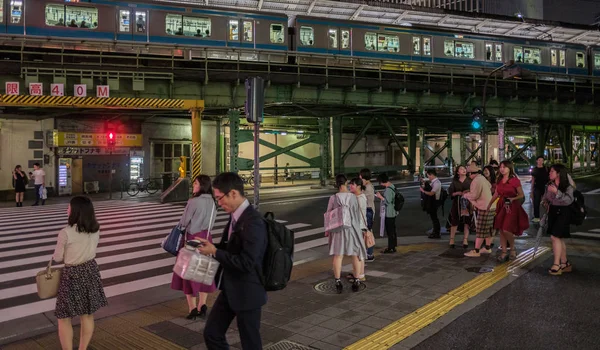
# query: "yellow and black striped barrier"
[[98, 102]]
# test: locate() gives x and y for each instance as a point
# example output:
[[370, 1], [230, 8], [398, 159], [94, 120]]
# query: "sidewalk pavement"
[[409, 296]]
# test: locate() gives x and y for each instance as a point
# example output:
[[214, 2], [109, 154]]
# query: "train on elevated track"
[[202, 32]]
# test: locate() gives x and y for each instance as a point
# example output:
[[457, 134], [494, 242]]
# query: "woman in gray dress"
[[198, 219], [348, 241]]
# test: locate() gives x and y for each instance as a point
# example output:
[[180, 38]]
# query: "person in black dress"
[[19, 181], [557, 199]]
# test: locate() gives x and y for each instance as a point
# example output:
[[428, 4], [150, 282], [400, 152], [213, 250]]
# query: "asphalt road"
[[308, 206]]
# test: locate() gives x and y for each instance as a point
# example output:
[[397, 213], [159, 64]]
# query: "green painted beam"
[[274, 147]]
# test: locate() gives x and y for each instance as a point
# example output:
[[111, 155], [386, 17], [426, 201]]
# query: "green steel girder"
[[357, 138], [436, 154], [393, 135], [472, 154], [519, 152], [234, 133], [312, 162]]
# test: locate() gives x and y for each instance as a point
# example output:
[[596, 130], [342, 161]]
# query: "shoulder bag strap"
[[211, 220]]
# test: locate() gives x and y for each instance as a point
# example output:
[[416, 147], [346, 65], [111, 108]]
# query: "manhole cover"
[[480, 269], [288, 345], [328, 287]]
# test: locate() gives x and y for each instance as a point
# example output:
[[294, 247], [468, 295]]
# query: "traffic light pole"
[[255, 100], [110, 175]]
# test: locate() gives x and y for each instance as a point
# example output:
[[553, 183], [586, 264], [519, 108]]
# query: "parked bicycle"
[[248, 180], [150, 186]]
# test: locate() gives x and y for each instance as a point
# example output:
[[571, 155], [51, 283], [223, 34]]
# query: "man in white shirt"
[[39, 177], [435, 193]]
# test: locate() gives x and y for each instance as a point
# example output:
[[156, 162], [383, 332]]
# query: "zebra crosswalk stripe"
[[128, 253]]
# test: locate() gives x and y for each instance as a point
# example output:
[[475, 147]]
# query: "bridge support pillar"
[[219, 151], [337, 126], [196, 142], [501, 145], [449, 154], [411, 133], [421, 150], [234, 138], [324, 146], [463, 150], [588, 152], [565, 134]]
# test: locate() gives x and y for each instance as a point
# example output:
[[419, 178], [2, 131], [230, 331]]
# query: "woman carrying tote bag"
[[80, 291], [198, 218]]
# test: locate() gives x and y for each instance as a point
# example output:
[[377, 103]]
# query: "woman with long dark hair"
[[511, 220], [80, 290], [557, 199], [460, 212], [349, 241], [490, 174], [19, 183], [197, 220]]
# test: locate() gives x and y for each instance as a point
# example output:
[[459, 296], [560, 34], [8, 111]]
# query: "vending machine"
[[64, 177], [136, 165]]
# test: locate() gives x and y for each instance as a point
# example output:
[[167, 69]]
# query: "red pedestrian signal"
[[111, 139]]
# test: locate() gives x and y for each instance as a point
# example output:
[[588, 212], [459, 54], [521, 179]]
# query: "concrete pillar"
[[196, 142], [421, 150], [234, 129], [338, 166], [566, 144], [542, 139], [324, 147], [412, 147], [501, 146], [218, 153]]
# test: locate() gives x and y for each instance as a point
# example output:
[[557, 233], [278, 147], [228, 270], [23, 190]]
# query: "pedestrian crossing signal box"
[[111, 139]]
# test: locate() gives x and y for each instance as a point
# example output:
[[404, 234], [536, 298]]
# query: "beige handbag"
[[47, 281], [368, 234]]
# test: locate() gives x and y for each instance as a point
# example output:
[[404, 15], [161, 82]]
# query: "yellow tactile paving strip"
[[419, 319]]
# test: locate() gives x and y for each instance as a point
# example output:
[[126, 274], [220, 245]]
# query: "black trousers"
[[390, 230], [220, 318], [435, 220], [537, 200]]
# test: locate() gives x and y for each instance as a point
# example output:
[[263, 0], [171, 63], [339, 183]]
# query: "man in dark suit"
[[240, 254]]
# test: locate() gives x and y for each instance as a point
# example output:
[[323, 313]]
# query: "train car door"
[[14, 17], [2, 17], [233, 33], [140, 26], [333, 41], [345, 42], [124, 24]]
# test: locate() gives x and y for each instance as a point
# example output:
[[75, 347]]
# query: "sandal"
[[452, 243], [350, 277], [555, 272], [503, 257], [513, 254], [568, 267], [465, 244]]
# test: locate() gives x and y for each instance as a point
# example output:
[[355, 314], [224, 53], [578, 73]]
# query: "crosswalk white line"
[[129, 246], [596, 230]]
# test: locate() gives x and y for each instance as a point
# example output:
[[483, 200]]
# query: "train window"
[[248, 31], [464, 49], [16, 11], [449, 47], [518, 54], [562, 58], [196, 26], [124, 21], [427, 46], [82, 17], [553, 57], [55, 15], [277, 33], [532, 55], [307, 36], [345, 39], [234, 34], [416, 45], [333, 38], [1, 11], [489, 55], [499, 53], [370, 41], [174, 24], [388, 43], [597, 61], [580, 59], [140, 21]]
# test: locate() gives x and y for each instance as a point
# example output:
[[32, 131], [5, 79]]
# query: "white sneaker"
[[473, 254], [485, 251]]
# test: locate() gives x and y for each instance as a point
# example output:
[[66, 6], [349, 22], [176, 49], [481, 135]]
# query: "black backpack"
[[279, 256], [578, 211], [398, 201]]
